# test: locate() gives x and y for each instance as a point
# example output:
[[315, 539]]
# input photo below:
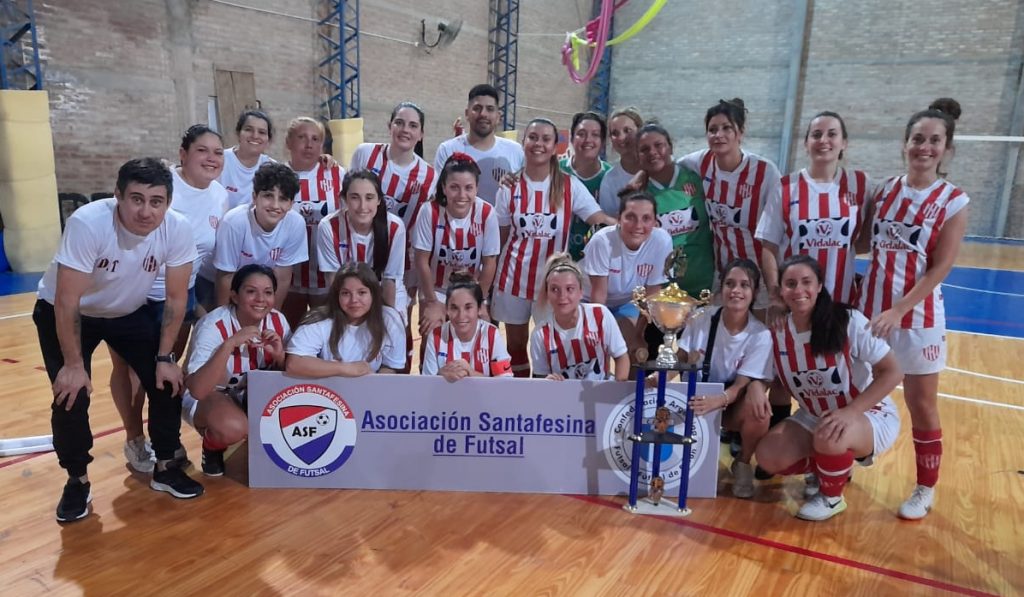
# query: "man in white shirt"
[[496, 156], [95, 290]]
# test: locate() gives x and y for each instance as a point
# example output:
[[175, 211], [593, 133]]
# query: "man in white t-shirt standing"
[[496, 156], [95, 290]]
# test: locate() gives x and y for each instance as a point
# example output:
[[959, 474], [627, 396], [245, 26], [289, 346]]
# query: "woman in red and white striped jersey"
[[534, 216], [246, 334], [466, 345], [918, 225], [319, 195], [456, 231], [580, 339], [840, 375], [737, 186], [365, 232], [819, 212]]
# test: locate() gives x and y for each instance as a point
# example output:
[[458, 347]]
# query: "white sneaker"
[[139, 454], [812, 486], [742, 479], [918, 504], [821, 507]]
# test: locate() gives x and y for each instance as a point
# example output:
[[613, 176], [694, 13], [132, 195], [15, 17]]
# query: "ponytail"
[[829, 319]]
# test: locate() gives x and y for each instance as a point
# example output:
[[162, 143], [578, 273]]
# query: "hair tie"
[[459, 156]]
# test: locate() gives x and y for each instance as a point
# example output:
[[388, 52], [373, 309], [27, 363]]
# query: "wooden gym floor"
[[235, 540]]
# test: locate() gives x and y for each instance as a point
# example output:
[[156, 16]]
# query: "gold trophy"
[[669, 310]]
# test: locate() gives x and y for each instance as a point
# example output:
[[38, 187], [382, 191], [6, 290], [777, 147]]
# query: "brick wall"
[[126, 78], [875, 62]]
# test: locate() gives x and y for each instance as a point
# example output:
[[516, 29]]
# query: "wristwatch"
[[167, 358]]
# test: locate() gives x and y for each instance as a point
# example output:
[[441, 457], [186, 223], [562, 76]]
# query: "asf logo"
[[308, 430]]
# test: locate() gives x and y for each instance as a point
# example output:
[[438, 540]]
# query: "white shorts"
[[885, 427], [919, 351], [513, 310], [188, 408]]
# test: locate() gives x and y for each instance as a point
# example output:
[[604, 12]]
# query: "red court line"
[[6, 463], [801, 551]]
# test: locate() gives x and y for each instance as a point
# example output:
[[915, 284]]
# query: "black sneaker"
[[213, 463], [174, 481], [762, 475], [74, 502]]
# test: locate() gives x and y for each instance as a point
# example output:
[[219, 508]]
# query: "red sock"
[[211, 444], [800, 467], [928, 448], [833, 471], [520, 363]]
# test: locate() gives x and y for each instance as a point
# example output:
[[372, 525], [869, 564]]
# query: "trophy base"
[[663, 508]]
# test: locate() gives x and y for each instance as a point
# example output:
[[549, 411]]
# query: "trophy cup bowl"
[[669, 310]]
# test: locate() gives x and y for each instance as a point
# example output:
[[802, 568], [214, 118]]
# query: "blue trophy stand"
[[653, 504]]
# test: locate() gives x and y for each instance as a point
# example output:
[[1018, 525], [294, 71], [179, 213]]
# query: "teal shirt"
[[580, 231], [683, 213]]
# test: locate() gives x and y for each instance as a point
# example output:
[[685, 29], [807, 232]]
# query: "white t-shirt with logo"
[[504, 157], [236, 178], [747, 353], [313, 340], [122, 265], [607, 256], [241, 241], [203, 208]]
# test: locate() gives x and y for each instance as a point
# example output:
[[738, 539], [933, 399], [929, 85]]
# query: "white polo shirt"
[[241, 241], [123, 265], [606, 255]]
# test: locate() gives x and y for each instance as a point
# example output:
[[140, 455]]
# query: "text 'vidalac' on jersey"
[[904, 233], [821, 220], [406, 188], [735, 201], [537, 231], [827, 382], [319, 196], [486, 352], [456, 244], [582, 352]]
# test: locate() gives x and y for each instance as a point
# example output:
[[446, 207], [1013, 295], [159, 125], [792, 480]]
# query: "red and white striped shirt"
[[537, 231], [823, 383], [220, 324], [456, 243], [319, 195], [582, 352], [904, 233], [486, 353], [406, 188], [735, 201], [337, 243], [821, 220]]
